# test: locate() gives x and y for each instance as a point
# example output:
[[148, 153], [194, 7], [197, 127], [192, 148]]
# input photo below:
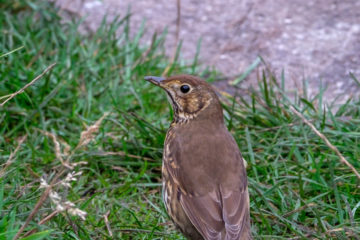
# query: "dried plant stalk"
[[123, 154], [85, 137], [106, 219], [12, 155], [40, 202], [57, 148], [327, 142], [88, 135], [11, 96]]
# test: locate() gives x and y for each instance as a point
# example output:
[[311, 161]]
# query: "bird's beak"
[[154, 80]]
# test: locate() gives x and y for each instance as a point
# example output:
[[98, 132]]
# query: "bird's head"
[[189, 96]]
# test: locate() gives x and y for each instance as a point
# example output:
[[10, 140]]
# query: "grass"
[[298, 187]]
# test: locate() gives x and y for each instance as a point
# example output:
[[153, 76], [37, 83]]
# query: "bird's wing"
[[221, 215], [215, 200], [236, 213]]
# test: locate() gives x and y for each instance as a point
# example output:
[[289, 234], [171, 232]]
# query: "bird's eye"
[[185, 88]]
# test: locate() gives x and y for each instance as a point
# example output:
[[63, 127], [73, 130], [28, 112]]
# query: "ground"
[[316, 40]]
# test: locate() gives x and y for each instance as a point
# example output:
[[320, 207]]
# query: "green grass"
[[298, 187]]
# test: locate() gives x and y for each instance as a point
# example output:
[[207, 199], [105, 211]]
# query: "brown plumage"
[[204, 177]]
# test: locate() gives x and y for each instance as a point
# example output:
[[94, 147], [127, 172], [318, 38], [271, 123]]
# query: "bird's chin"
[[172, 101], [169, 98]]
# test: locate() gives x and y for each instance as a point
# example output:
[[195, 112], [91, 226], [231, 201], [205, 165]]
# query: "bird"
[[204, 180]]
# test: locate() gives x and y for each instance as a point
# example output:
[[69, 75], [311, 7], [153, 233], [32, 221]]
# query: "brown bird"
[[204, 178]]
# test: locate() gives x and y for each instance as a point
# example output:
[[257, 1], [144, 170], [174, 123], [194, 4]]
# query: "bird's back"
[[207, 165], [208, 156]]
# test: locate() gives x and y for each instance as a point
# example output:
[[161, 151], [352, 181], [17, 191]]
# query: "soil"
[[314, 40]]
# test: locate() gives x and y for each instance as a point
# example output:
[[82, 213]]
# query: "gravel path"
[[312, 39]]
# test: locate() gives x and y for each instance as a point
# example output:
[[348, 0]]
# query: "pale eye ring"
[[185, 88]]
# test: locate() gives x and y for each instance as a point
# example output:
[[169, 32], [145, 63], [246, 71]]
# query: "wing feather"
[[217, 207], [205, 214], [227, 218], [236, 214]]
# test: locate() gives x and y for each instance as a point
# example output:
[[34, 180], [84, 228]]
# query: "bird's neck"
[[212, 114]]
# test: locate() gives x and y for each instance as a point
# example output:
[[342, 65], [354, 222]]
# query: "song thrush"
[[204, 178]]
